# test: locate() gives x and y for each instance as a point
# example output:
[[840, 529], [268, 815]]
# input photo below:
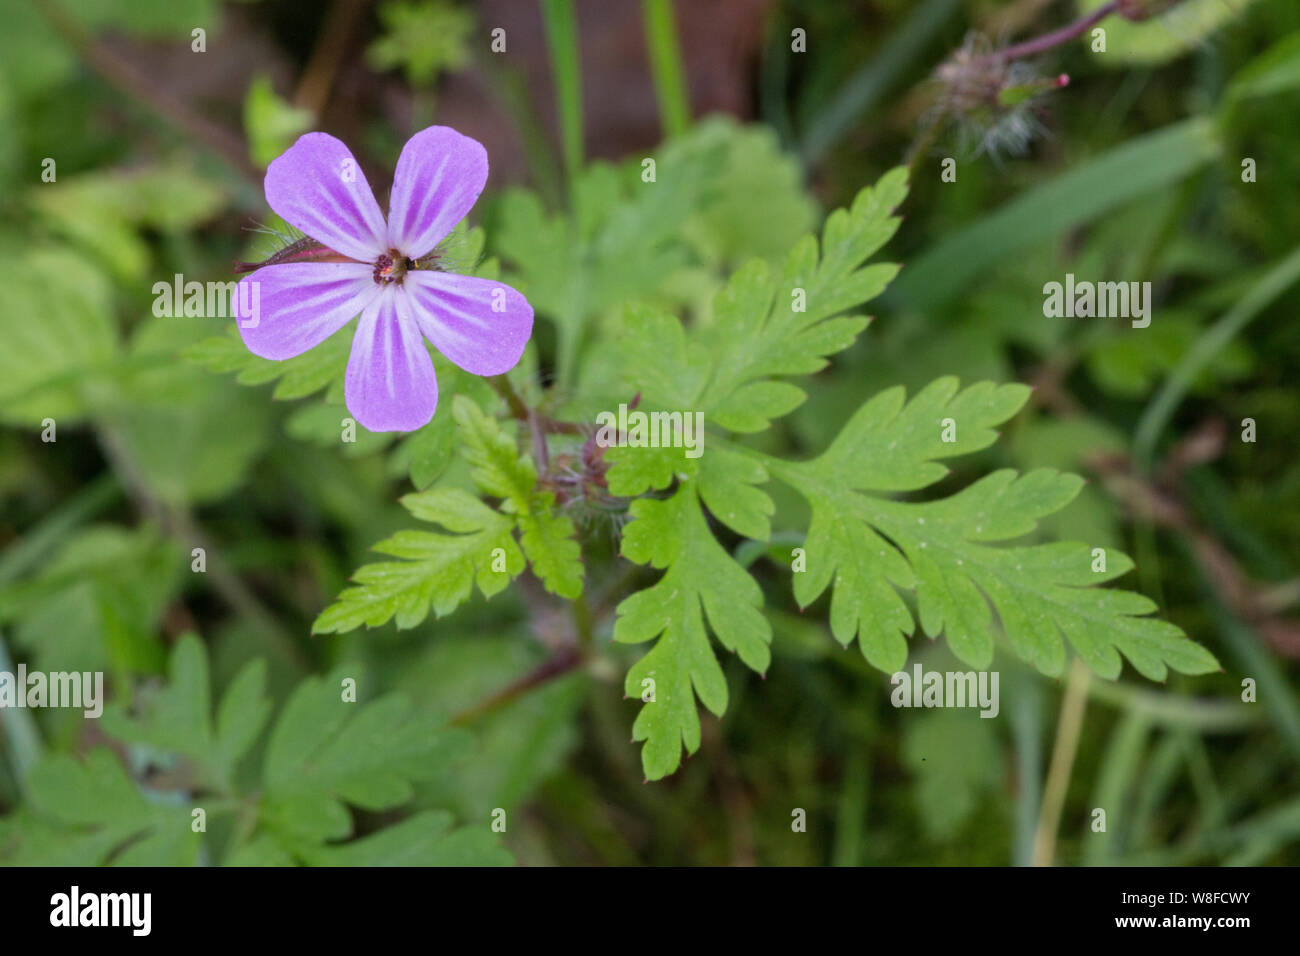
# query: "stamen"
[[391, 266]]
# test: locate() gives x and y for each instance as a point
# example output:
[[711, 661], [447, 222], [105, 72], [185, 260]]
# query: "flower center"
[[391, 266]]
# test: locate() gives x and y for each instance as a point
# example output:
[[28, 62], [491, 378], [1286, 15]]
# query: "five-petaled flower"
[[480, 325]]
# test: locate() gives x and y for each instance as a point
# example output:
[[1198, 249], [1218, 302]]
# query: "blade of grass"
[[1149, 162], [1113, 791], [666, 66], [774, 75], [1203, 716], [511, 90], [866, 87], [561, 24], [1212, 341], [1273, 690], [53, 529], [1278, 825], [20, 728], [1168, 755], [851, 812], [1027, 732]]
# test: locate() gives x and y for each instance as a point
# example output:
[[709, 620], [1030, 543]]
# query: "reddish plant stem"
[[520, 411], [337, 33], [555, 666], [1049, 40]]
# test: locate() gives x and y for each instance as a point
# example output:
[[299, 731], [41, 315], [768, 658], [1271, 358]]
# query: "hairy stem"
[[520, 410]]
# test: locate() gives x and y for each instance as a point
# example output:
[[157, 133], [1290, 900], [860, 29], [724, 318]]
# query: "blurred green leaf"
[[91, 812], [103, 212], [326, 751], [97, 602], [1172, 33], [270, 122], [178, 717], [423, 38], [58, 330], [425, 839], [954, 760]]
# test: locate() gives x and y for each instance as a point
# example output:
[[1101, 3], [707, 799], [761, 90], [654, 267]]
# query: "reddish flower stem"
[[1054, 39]]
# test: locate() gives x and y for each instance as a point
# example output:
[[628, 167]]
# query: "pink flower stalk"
[[480, 325]]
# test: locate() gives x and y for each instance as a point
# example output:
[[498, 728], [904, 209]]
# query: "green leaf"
[[767, 324], [297, 377], [173, 424], [437, 570], [763, 326], [178, 718], [1129, 364], [494, 464], [425, 839], [57, 325], [271, 123], [729, 484], [518, 745], [546, 536], [1276, 70], [701, 579], [430, 450], [954, 760], [864, 547], [97, 603], [720, 193], [1174, 32], [90, 813], [327, 424], [758, 206], [422, 38], [326, 751], [548, 540], [105, 212]]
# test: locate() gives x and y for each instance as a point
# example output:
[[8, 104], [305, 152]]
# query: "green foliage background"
[[480, 692]]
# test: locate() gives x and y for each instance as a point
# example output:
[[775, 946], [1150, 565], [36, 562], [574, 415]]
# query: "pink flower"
[[480, 325]]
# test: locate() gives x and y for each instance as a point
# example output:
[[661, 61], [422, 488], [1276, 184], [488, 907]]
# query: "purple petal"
[[284, 310], [480, 324], [438, 179], [390, 383], [316, 186]]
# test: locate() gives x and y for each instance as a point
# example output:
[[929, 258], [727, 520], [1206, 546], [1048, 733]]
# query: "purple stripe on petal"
[[317, 186], [480, 324], [286, 309], [390, 383], [438, 179]]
